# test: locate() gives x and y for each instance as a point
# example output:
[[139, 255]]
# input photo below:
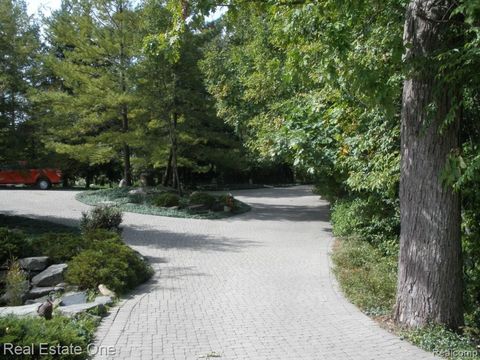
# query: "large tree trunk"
[[168, 170], [174, 147], [127, 169], [430, 264]]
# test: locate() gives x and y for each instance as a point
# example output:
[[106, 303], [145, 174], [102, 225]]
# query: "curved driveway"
[[255, 286]]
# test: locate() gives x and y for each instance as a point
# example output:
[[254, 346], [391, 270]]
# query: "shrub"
[[13, 243], [202, 198], [59, 247], [16, 284], [101, 217], [111, 263], [166, 200], [25, 331], [93, 237], [371, 219], [226, 199]]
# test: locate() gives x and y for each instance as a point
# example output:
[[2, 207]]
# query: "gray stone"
[[98, 303], [103, 300], [19, 310], [38, 291], [73, 310], [199, 207], [37, 263], [138, 191], [50, 276], [74, 298], [38, 301], [62, 286]]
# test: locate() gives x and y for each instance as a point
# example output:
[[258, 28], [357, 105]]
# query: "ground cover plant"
[[164, 203]]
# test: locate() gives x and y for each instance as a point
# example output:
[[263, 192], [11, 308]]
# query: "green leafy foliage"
[[101, 217], [25, 331], [61, 247], [13, 244], [369, 219], [148, 206], [443, 342], [111, 263], [18, 73], [16, 283], [166, 200], [201, 198]]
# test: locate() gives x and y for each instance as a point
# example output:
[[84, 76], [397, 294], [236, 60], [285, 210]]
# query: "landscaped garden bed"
[[165, 202], [57, 281]]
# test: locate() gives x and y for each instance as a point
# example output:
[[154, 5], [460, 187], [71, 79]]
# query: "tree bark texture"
[[430, 263]]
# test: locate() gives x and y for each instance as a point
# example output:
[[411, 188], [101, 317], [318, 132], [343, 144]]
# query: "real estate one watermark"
[[44, 349], [457, 353]]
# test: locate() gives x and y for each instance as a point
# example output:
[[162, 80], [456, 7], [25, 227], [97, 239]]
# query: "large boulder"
[[74, 298], [137, 191], [99, 303], [39, 291], [19, 310], [50, 276], [38, 301], [37, 263]]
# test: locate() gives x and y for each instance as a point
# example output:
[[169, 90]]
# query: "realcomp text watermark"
[[44, 349], [457, 353]]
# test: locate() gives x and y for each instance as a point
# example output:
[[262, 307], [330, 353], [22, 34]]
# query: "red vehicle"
[[21, 173]]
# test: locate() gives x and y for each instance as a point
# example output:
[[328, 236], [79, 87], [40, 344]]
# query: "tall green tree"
[[320, 84], [19, 47], [179, 110], [89, 116]]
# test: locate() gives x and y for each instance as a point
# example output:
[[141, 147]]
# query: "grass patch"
[[367, 278], [145, 204]]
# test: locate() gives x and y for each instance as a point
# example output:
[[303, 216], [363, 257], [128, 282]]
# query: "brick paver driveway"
[[256, 286]]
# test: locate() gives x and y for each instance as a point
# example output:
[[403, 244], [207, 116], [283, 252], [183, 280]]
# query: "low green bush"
[[166, 200], [59, 247], [62, 331], [202, 198], [371, 219], [62, 247], [13, 244], [111, 263], [367, 277], [101, 217]]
